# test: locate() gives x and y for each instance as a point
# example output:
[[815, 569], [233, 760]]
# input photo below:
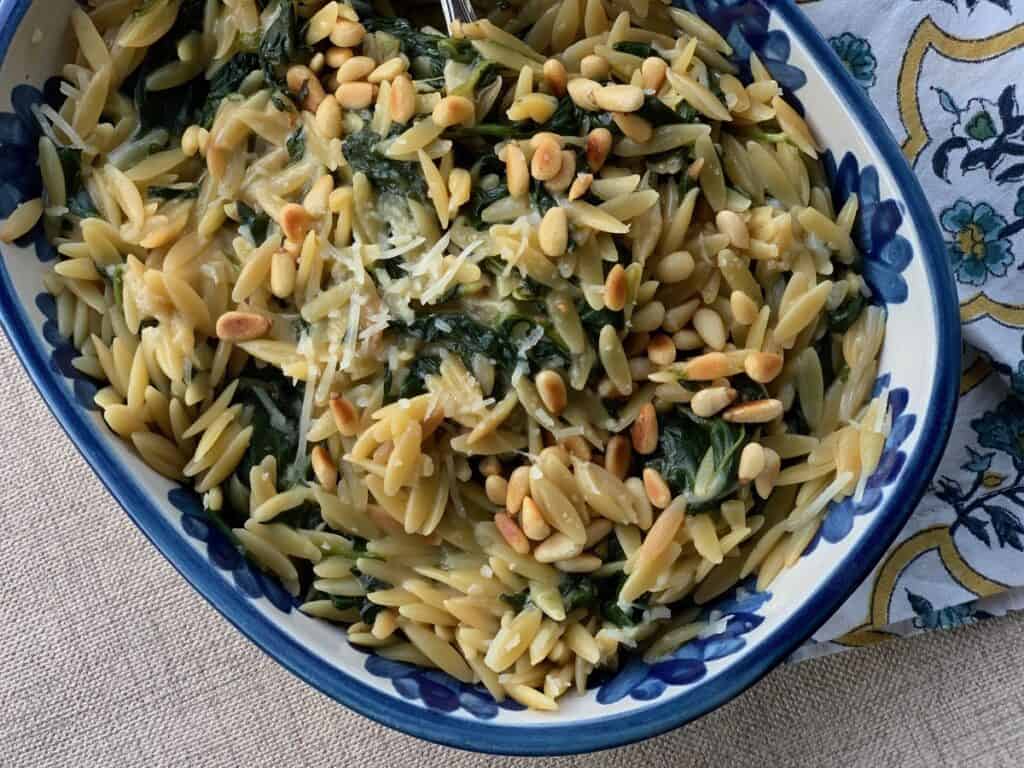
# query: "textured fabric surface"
[[108, 658]]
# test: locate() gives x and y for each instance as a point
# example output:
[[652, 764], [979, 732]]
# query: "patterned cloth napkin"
[[944, 75]]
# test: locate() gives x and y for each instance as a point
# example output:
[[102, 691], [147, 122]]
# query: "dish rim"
[[593, 734]]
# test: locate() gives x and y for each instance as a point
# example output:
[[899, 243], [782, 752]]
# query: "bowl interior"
[[750, 631]]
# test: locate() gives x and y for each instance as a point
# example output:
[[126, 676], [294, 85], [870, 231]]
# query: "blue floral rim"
[[601, 732]]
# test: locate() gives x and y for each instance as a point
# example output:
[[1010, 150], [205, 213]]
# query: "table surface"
[[108, 658]]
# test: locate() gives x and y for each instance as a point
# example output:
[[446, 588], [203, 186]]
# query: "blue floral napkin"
[[944, 75]]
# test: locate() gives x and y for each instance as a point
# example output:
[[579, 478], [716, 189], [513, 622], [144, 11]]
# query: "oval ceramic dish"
[[750, 632]]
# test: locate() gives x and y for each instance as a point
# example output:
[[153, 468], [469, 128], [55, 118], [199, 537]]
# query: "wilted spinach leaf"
[[225, 82], [296, 145], [394, 176], [842, 318], [255, 224], [280, 46]]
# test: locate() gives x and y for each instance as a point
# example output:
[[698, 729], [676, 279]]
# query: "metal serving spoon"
[[457, 10]]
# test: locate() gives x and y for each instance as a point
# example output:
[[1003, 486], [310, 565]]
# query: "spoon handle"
[[457, 10]]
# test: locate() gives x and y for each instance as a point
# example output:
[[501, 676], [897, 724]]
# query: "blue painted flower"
[[744, 25], [951, 617], [977, 248], [1002, 429], [857, 56], [730, 618], [876, 230]]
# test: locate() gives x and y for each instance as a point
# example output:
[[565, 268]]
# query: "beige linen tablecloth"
[[108, 658]]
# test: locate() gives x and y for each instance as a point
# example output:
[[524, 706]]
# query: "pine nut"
[[615, 287], [645, 430], [763, 367], [551, 389], [355, 95], [517, 173], [597, 531], [653, 71], [402, 99], [518, 487], [317, 62], [595, 67], [538, 107], [619, 98], [579, 564], [555, 548], [241, 326], [295, 222], [489, 465], [496, 488], [661, 350], [347, 34], [709, 325], [751, 462], [581, 186], [356, 69], [618, 456], [453, 110], [553, 233], [565, 174], [744, 309], [547, 159], [765, 481], [583, 93], [730, 223], [599, 144], [282, 274], [712, 400], [674, 267], [555, 76], [657, 490], [640, 368], [389, 70], [534, 525], [335, 57], [578, 447], [634, 127], [301, 79], [346, 417], [512, 534], [754, 412], [190, 141], [324, 468], [678, 317], [649, 317], [328, 118]]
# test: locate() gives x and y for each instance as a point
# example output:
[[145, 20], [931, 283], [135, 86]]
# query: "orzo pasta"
[[505, 349]]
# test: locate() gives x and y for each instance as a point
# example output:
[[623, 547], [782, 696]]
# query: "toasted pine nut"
[[615, 288], [534, 525], [765, 481], [337, 56], [460, 187], [674, 267], [754, 412], [328, 118], [565, 174], [677, 317], [453, 110], [555, 76], [282, 274], [597, 530], [576, 446], [517, 173], [556, 547], [553, 232], [389, 70], [355, 95], [511, 533], [633, 126], [618, 456], [763, 367], [619, 98], [295, 221], [751, 462], [744, 309], [547, 159], [730, 223], [580, 186], [645, 430], [583, 93], [658, 492], [709, 325], [712, 400], [402, 99], [551, 389], [661, 350], [241, 326], [346, 417], [301, 78], [496, 488], [324, 468], [538, 107], [649, 317], [518, 487], [489, 465], [595, 67], [347, 34], [713, 365], [356, 69], [599, 144], [687, 340], [653, 71]]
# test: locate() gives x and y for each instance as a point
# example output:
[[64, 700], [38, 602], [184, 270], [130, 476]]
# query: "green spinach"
[[280, 46], [275, 406], [79, 201], [296, 145], [255, 224], [391, 176], [643, 50], [842, 318], [225, 82], [183, 192]]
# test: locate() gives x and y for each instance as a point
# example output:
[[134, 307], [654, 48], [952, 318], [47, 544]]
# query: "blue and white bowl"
[[750, 632]]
